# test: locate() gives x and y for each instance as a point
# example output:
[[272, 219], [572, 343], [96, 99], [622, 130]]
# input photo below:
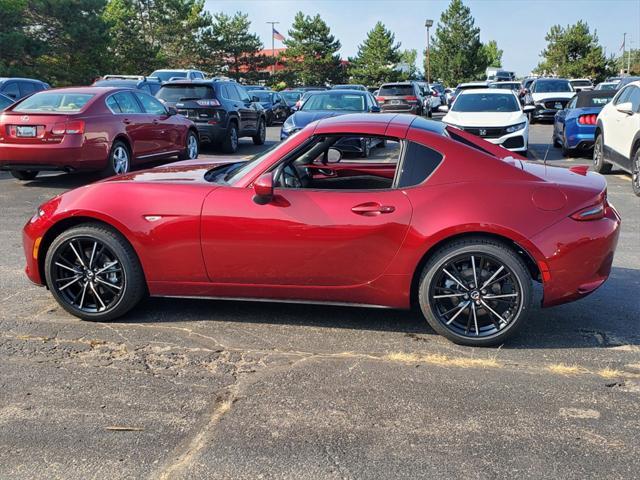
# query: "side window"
[[197, 75], [150, 104], [623, 96], [419, 162], [242, 94], [112, 103], [634, 98], [230, 92], [153, 88], [27, 88], [127, 103], [145, 88], [572, 103], [11, 90]]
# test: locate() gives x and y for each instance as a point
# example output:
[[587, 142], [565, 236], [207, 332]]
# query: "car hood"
[[484, 119], [188, 171], [539, 97], [302, 118]]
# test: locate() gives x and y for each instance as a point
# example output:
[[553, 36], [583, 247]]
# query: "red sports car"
[[434, 217], [91, 128]]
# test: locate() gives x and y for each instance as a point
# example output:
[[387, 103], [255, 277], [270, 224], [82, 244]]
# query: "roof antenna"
[[545, 154]]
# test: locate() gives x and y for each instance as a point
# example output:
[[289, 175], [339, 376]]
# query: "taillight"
[[380, 99], [75, 127], [587, 119], [594, 212], [411, 98], [208, 103], [435, 94]]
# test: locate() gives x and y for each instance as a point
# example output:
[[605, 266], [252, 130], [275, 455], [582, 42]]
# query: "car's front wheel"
[[635, 173], [24, 175], [599, 163], [192, 147], [230, 142], [94, 273], [261, 133], [475, 292]]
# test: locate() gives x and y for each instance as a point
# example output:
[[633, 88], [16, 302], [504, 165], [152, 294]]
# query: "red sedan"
[[91, 128], [434, 217]]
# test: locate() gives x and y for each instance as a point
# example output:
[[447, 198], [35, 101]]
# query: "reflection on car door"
[[247, 108], [160, 129], [319, 237], [136, 123]]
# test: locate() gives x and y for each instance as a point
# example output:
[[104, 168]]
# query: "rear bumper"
[[73, 153], [579, 256], [581, 137], [210, 133], [414, 109]]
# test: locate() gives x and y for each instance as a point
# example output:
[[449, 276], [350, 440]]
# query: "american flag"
[[277, 35]]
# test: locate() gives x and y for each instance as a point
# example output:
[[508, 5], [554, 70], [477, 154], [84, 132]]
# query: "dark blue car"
[[575, 125]]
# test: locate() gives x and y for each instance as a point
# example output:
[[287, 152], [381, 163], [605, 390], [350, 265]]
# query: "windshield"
[[175, 93], [116, 83], [54, 102], [291, 97], [240, 169], [595, 100], [549, 86], [5, 102], [486, 102], [505, 85], [335, 101], [263, 96], [166, 76], [581, 83], [390, 90]]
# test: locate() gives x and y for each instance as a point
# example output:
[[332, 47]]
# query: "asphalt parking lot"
[[223, 389]]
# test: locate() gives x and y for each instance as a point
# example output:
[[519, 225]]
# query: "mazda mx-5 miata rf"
[[437, 219]]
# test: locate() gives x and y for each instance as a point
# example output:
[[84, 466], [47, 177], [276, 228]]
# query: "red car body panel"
[[309, 245], [149, 136]]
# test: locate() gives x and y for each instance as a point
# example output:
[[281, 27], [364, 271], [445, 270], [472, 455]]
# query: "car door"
[[560, 117], [162, 131], [248, 109], [11, 90], [278, 106], [628, 127], [613, 137], [304, 236], [136, 123]]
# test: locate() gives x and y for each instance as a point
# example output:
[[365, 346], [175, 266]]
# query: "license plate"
[[395, 102], [558, 106], [22, 131]]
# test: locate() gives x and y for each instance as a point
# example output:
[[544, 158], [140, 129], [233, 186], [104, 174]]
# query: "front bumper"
[[579, 256], [517, 141]]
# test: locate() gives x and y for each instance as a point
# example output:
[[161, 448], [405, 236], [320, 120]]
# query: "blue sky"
[[519, 26]]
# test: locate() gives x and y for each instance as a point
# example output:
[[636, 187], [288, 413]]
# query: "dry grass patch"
[[562, 369], [610, 373], [443, 360]]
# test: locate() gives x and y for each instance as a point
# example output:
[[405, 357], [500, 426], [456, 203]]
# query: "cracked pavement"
[[225, 389]]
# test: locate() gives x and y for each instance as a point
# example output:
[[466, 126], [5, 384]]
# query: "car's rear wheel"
[[599, 163], [192, 147], [475, 292], [566, 152], [24, 174], [94, 273], [119, 161], [635, 173], [230, 142], [261, 133]]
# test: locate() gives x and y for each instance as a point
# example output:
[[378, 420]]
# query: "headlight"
[[516, 127], [288, 126], [39, 213]]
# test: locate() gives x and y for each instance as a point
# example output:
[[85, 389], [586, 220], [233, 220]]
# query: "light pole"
[[428, 23]]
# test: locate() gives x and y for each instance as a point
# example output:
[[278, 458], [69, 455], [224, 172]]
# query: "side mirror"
[[374, 109], [255, 99], [626, 107], [263, 189], [172, 111], [334, 155], [528, 108]]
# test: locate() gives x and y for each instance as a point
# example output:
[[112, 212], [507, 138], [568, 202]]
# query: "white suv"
[[618, 135]]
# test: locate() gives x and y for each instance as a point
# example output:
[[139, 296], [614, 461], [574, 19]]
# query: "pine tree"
[[492, 54], [377, 58], [456, 52], [312, 52]]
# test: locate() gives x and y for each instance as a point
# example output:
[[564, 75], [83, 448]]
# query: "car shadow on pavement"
[[63, 181], [600, 320]]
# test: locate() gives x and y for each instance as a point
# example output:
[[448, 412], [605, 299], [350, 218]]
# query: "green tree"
[[233, 50], [377, 58], [150, 34], [18, 48], [573, 51], [492, 54], [629, 59], [456, 52], [407, 69], [312, 52], [73, 38]]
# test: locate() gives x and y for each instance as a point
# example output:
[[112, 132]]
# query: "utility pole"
[[273, 46], [428, 23], [624, 48], [628, 58]]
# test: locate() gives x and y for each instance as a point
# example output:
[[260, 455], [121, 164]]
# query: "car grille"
[[485, 132], [555, 104]]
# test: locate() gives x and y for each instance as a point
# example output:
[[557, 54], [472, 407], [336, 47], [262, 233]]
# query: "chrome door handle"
[[371, 209]]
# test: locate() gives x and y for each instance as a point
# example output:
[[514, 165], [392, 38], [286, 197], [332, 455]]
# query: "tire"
[[600, 165], [192, 147], [525, 153], [566, 152], [119, 161], [493, 258], [92, 296], [24, 175], [532, 120], [230, 142], [635, 173], [270, 119], [556, 143], [261, 133]]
